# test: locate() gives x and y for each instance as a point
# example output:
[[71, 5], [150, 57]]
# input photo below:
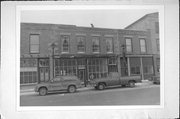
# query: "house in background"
[[150, 22]]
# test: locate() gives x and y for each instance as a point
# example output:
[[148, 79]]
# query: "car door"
[[56, 84], [113, 80]]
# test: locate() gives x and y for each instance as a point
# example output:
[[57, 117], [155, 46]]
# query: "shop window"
[[81, 44], [135, 70], [148, 65], [81, 62], [128, 44], [97, 68], [95, 44], [28, 62], [34, 43], [65, 67], [143, 45], [148, 69], [112, 65], [109, 45], [135, 65], [43, 62], [124, 67], [28, 77], [65, 43]]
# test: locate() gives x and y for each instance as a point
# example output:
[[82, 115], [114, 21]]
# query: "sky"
[[117, 19]]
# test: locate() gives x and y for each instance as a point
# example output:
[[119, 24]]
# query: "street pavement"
[[142, 94]]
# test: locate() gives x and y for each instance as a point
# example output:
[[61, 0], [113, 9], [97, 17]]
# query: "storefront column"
[[128, 63], [38, 70], [119, 65], [142, 71], [51, 67], [155, 65]]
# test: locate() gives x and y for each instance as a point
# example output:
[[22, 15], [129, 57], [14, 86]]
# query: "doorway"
[[82, 76], [44, 74]]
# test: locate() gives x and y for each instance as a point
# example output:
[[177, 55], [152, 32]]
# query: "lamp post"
[[124, 60], [124, 54], [52, 46]]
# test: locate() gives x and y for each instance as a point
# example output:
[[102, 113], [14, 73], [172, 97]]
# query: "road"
[[149, 95]]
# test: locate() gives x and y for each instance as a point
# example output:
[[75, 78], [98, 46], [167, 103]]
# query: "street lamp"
[[124, 53], [53, 45]]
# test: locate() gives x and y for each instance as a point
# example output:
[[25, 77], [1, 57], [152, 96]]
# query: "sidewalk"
[[30, 88]]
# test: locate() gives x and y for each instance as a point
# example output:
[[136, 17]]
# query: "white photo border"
[[20, 8]]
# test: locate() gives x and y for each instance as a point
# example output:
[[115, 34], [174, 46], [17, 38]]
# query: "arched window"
[[109, 45], [65, 43], [81, 44], [96, 46]]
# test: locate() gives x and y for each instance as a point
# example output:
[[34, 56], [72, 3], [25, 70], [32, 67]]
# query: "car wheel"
[[131, 83], [96, 87], [72, 89], [101, 86], [42, 91]]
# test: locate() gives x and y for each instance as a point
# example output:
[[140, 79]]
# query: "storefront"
[[28, 71], [85, 68]]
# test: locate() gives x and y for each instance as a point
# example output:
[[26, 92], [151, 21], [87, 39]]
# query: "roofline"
[[83, 27], [143, 17]]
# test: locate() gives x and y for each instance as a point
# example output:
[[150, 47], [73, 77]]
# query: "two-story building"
[[50, 50], [150, 22]]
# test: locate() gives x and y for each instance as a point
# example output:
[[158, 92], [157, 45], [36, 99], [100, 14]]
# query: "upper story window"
[[109, 45], [157, 43], [81, 44], [143, 45], [95, 44], [157, 27], [128, 44], [65, 43], [34, 43]]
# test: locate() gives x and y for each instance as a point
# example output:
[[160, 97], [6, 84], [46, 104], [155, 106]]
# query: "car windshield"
[[59, 78]]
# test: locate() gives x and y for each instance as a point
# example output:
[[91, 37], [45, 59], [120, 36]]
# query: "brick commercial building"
[[150, 22], [50, 50]]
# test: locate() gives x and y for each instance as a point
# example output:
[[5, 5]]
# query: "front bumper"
[[36, 89], [93, 84]]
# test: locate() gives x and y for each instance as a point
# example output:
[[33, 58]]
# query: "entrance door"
[[44, 74], [82, 75]]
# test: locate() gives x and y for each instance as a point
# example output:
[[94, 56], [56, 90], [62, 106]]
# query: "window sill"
[[109, 52], [64, 52], [81, 52]]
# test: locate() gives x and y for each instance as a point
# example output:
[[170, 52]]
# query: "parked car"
[[114, 79], [67, 83], [156, 79]]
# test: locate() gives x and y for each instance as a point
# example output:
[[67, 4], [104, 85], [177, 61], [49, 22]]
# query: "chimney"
[[92, 25]]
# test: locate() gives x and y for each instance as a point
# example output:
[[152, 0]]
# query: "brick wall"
[[52, 33]]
